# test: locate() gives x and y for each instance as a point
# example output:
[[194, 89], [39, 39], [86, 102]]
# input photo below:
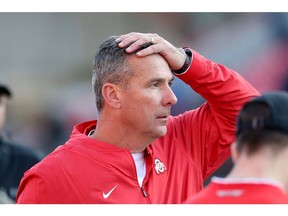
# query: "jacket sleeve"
[[207, 132], [36, 189]]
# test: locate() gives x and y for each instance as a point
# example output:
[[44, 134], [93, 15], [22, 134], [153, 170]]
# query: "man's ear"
[[111, 94], [234, 151]]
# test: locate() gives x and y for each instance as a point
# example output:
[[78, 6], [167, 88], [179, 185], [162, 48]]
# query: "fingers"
[[130, 38], [147, 43], [135, 41]]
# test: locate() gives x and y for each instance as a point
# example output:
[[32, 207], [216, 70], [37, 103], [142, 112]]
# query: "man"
[[136, 152], [260, 154], [14, 159]]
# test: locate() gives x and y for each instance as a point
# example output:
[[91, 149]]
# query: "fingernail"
[[120, 44]]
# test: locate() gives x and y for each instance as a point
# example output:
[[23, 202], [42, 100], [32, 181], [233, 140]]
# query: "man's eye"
[[156, 84], [170, 83]]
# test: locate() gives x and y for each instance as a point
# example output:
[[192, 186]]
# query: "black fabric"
[[277, 101], [14, 161], [187, 62]]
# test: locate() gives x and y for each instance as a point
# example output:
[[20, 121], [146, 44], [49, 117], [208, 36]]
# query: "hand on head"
[[154, 44]]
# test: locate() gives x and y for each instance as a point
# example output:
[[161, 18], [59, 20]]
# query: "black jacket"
[[14, 161]]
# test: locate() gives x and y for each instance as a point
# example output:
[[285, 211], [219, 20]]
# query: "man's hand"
[[155, 44]]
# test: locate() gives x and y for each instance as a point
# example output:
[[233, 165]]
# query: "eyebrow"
[[159, 80]]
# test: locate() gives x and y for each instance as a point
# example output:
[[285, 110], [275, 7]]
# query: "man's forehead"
[[154, 63], [152, 58]]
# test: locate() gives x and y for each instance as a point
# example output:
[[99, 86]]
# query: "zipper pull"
[[144, 192]]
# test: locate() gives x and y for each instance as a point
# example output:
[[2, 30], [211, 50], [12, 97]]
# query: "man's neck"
[[257, 166], [111, 133]]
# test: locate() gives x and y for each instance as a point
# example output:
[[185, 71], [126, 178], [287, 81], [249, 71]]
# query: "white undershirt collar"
[[140, 166]]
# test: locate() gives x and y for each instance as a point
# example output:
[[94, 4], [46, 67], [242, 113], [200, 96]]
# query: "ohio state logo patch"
[[159, 166]]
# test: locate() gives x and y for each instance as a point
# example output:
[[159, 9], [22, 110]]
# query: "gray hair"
[[110, 66]]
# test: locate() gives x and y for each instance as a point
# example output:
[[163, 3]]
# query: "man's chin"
[[161, 131]]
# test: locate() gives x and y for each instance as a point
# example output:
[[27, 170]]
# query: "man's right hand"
[[134, 40]]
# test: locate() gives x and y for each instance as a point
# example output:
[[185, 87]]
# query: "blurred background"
[[46, 59]]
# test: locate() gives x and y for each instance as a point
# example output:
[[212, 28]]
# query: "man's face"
[[3, 104], [147, 101]]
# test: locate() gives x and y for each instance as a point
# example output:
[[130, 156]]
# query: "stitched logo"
[[106, 195], [159, 166]]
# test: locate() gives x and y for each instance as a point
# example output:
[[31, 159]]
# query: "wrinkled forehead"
[[151, 65]]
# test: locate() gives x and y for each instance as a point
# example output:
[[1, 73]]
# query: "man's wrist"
[[187, 62]]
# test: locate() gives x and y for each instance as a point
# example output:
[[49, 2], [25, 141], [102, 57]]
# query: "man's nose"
[[169, 98]]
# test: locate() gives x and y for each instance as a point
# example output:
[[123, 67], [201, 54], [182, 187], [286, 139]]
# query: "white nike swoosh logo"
[[108, 194]]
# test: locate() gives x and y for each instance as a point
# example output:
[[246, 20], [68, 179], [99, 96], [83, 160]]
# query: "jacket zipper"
[[141, 187], [144, 192]]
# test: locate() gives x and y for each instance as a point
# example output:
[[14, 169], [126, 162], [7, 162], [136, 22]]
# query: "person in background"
[[260, 155], [14, 158], [136, 152]]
